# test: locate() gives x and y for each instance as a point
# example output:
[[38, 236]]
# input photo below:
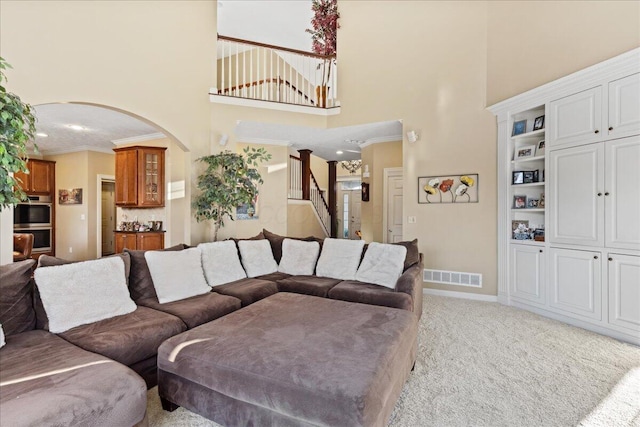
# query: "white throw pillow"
[[2, 342], [382, 264], [83, 292], [221, 263], [340, 258], [177, 275], [257, 257], [299, 257]]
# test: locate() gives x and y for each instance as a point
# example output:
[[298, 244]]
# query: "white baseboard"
[[464, 295]]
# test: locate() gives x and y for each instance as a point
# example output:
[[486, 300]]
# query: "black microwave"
[[36, 213]]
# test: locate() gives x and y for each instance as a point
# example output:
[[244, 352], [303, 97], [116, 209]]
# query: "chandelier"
[[351, 165]]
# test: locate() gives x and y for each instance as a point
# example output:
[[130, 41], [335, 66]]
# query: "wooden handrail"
[[278, 80], [270, 46], [326, 205], [291, 156]]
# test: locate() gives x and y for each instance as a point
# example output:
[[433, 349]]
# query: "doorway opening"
[[349, 200], [106, 215], [392, 213]]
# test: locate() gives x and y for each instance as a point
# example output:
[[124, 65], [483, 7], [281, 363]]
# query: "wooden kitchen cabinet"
[[41, 177], [140, 177], [146, 241]]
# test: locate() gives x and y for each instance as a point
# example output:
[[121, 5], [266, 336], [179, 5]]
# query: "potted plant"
[[230, 180], [324, 41], [17, 127]]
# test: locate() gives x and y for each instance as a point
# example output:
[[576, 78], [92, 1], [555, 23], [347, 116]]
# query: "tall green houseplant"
[[17, 127], [324, 40], [230, 180]]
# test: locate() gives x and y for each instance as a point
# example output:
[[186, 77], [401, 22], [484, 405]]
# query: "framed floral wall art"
[[448, 189]]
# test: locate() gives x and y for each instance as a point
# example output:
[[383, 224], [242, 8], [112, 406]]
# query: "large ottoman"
[[292, 360]]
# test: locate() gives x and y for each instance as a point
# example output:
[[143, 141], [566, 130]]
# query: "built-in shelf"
[[527, 242], [527, 209], [529, 134], [528, 159], [529, 184]]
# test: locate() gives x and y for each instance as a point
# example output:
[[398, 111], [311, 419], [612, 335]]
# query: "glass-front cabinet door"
[[151, 177]]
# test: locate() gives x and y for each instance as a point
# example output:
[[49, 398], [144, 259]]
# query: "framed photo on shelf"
[[538, 123], [540, 148], [519, 224], [517, 177], [519, 202], [532, 203], [529, 177], [525, 151], [519, 127]]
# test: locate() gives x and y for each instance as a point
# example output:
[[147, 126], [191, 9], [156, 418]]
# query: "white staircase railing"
[[265, 72]]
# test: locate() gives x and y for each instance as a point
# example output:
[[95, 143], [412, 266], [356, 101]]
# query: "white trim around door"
[[100, 179], [387, 173]]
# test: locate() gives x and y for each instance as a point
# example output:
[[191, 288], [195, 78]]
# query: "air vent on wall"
[[452, 278]]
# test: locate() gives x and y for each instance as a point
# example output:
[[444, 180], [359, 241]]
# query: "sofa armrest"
[[410, 282]]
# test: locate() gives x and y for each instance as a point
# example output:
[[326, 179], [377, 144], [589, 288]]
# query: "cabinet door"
[[576, 118], [622, 193], [624, 291], [527, 273], [575, 282], [151, 177], [150, 241], [41, 176], [24, 180], [576, 196], [126, 173], [125, 240], [624, 106]]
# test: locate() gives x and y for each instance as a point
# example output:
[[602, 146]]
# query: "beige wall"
[[302, 221], [378, 157], [97, 164], [534, 42]]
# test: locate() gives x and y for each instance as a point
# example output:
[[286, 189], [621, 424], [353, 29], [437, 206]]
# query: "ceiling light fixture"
[[339, 152], [42, 134], [76, 127], [351, 165]]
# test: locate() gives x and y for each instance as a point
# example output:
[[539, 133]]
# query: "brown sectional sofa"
[[124, 348]]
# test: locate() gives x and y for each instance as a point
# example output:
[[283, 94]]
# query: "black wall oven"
[[35, 217]]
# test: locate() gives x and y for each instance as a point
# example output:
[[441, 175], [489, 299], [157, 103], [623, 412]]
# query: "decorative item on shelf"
[[538, 234], [517, 222], [519, 202], [519, 127], [532, 203], [517, 177], [540, 148], [538, 123], [521, 230], [365, 191], [351, 165], [530, 177], [525, 151], [448, 189], [70, 197], [541, 201]]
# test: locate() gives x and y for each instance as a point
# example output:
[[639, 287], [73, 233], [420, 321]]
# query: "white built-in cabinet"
[[586, 268]]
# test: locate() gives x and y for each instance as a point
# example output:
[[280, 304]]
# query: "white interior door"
[[108, 217], [394, 208], [349, 201], [355, 222]]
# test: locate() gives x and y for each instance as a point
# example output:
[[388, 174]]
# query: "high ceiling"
[[285, 26]]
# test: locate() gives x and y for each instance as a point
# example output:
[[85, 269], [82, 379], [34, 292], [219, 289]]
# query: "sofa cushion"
[[196, 310], [221, 263], [298, 257], [16, 294], [248, 290], [275, 240], [382, 264], [308, 285], [46, 381], [177, 275], [257, 258], [413, 253], [84, 292], [339, 258], [129, 338], [274, 277], [140, 282], [369, 293]]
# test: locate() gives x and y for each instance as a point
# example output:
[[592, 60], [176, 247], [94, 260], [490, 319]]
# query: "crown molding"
[[140, 138], [78, 149]]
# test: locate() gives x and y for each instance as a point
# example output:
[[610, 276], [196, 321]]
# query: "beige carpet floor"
[[485, 364]]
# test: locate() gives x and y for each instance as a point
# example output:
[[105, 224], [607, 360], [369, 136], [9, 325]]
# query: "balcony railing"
[[265, 72]]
